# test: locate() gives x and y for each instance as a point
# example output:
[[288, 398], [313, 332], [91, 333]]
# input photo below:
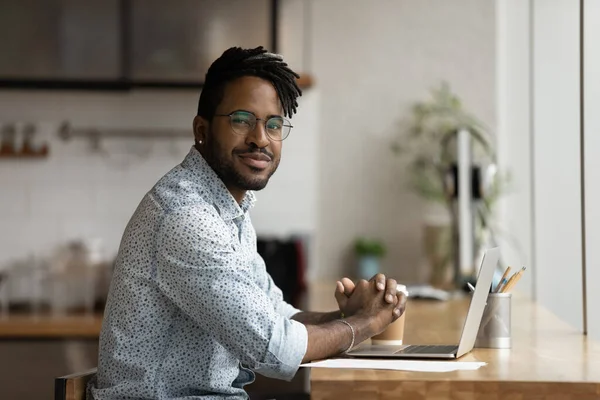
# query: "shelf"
[[305, 82], [24, 155], [27, 326], [64, 84]]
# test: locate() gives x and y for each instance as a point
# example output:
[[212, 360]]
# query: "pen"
[[500, 285], [503, 280]]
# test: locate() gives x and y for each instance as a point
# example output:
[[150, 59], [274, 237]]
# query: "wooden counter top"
[[25, 326], [549, 359]]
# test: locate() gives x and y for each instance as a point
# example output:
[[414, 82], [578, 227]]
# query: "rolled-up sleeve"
[[199, 269], [281, 306]]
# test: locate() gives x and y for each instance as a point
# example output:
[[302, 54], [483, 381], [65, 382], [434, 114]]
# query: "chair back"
[[72, 387]]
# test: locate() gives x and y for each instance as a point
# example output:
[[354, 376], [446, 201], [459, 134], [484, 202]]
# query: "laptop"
[[470, 327]]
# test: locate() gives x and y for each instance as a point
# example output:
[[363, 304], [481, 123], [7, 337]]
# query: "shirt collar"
[[221, 197]]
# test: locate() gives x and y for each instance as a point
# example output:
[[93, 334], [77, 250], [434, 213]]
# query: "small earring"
[[200, 141]]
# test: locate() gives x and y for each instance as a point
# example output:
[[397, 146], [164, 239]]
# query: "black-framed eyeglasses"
[[244, 122]]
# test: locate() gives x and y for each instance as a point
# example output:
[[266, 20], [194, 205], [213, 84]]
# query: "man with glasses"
[[192, 312]]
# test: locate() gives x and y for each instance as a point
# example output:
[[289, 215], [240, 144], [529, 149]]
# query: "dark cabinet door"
[[176, 40], [60, 39]]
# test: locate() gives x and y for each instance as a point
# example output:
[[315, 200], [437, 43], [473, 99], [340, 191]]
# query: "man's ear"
[[200, 129]]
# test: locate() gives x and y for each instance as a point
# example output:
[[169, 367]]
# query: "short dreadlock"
[[236, 62]]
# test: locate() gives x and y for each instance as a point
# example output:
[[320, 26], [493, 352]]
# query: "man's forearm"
[[316, 318], [334, 337]]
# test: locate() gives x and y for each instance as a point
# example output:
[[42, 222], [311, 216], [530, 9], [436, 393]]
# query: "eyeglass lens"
[[244, 122]]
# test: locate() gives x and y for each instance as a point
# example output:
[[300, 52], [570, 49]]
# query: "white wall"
[[75, 193], [592, 161], [372, 60], [556, 158], [514, 136], [538, 140], [556, 162]]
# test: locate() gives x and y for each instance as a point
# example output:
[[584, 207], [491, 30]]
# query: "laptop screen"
[[478, 301]]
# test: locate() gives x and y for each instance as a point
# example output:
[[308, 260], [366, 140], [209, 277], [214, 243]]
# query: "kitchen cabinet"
[[124, 43], [60, 39], [178, 40]]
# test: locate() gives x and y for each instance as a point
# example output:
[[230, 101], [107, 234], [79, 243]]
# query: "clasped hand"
[[370, 297]]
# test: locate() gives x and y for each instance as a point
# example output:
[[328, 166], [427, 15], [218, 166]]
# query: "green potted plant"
[[369, 253], [426, 144]]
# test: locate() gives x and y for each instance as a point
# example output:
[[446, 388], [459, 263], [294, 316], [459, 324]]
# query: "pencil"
[[503, 280], [509, 284], [513, 281]]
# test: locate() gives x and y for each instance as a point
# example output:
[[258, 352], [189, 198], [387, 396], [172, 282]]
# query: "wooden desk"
[[548, 360], [25, 326]]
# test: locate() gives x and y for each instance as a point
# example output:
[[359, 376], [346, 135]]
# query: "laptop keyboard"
[[429, 349]]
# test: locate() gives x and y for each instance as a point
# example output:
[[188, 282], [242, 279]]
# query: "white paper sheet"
[[397, 365]]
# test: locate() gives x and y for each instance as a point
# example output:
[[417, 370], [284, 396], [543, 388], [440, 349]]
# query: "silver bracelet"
[[353, 337]]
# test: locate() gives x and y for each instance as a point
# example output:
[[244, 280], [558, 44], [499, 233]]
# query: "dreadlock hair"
[[236, 62]]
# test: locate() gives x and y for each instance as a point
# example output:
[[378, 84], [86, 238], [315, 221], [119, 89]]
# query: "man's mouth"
[[255, 160]]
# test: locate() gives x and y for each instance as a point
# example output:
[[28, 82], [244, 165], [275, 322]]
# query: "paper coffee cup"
[[394, 333]]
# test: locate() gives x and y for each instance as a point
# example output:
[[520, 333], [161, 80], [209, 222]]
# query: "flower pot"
[[368, 266]]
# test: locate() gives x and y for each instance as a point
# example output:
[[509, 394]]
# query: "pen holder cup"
[[494, 331]]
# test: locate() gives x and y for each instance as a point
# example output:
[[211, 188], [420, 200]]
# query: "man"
[[192, 312]]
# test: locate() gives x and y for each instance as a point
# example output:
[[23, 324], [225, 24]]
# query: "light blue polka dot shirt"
[[191, 311]]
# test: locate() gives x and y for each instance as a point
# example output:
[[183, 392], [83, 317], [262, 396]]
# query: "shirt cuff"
[[287, 310], [287, 348]]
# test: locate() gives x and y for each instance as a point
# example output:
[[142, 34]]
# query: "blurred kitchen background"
[[97, 99]]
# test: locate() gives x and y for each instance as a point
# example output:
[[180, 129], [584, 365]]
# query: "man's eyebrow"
[[250, 112], [246, 111]]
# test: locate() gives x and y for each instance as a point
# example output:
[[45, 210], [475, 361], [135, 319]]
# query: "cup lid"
[[402, 288]]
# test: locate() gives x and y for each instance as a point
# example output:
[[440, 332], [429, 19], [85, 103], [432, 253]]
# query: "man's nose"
[[258, 136]]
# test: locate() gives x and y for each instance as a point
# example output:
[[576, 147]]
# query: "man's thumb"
[[339, 292]]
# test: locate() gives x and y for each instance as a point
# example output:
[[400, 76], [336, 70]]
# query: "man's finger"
[[390, 296], [362, 283], [379, 281], [401, 301], [398, 312], [403, 297], [347, 286]]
